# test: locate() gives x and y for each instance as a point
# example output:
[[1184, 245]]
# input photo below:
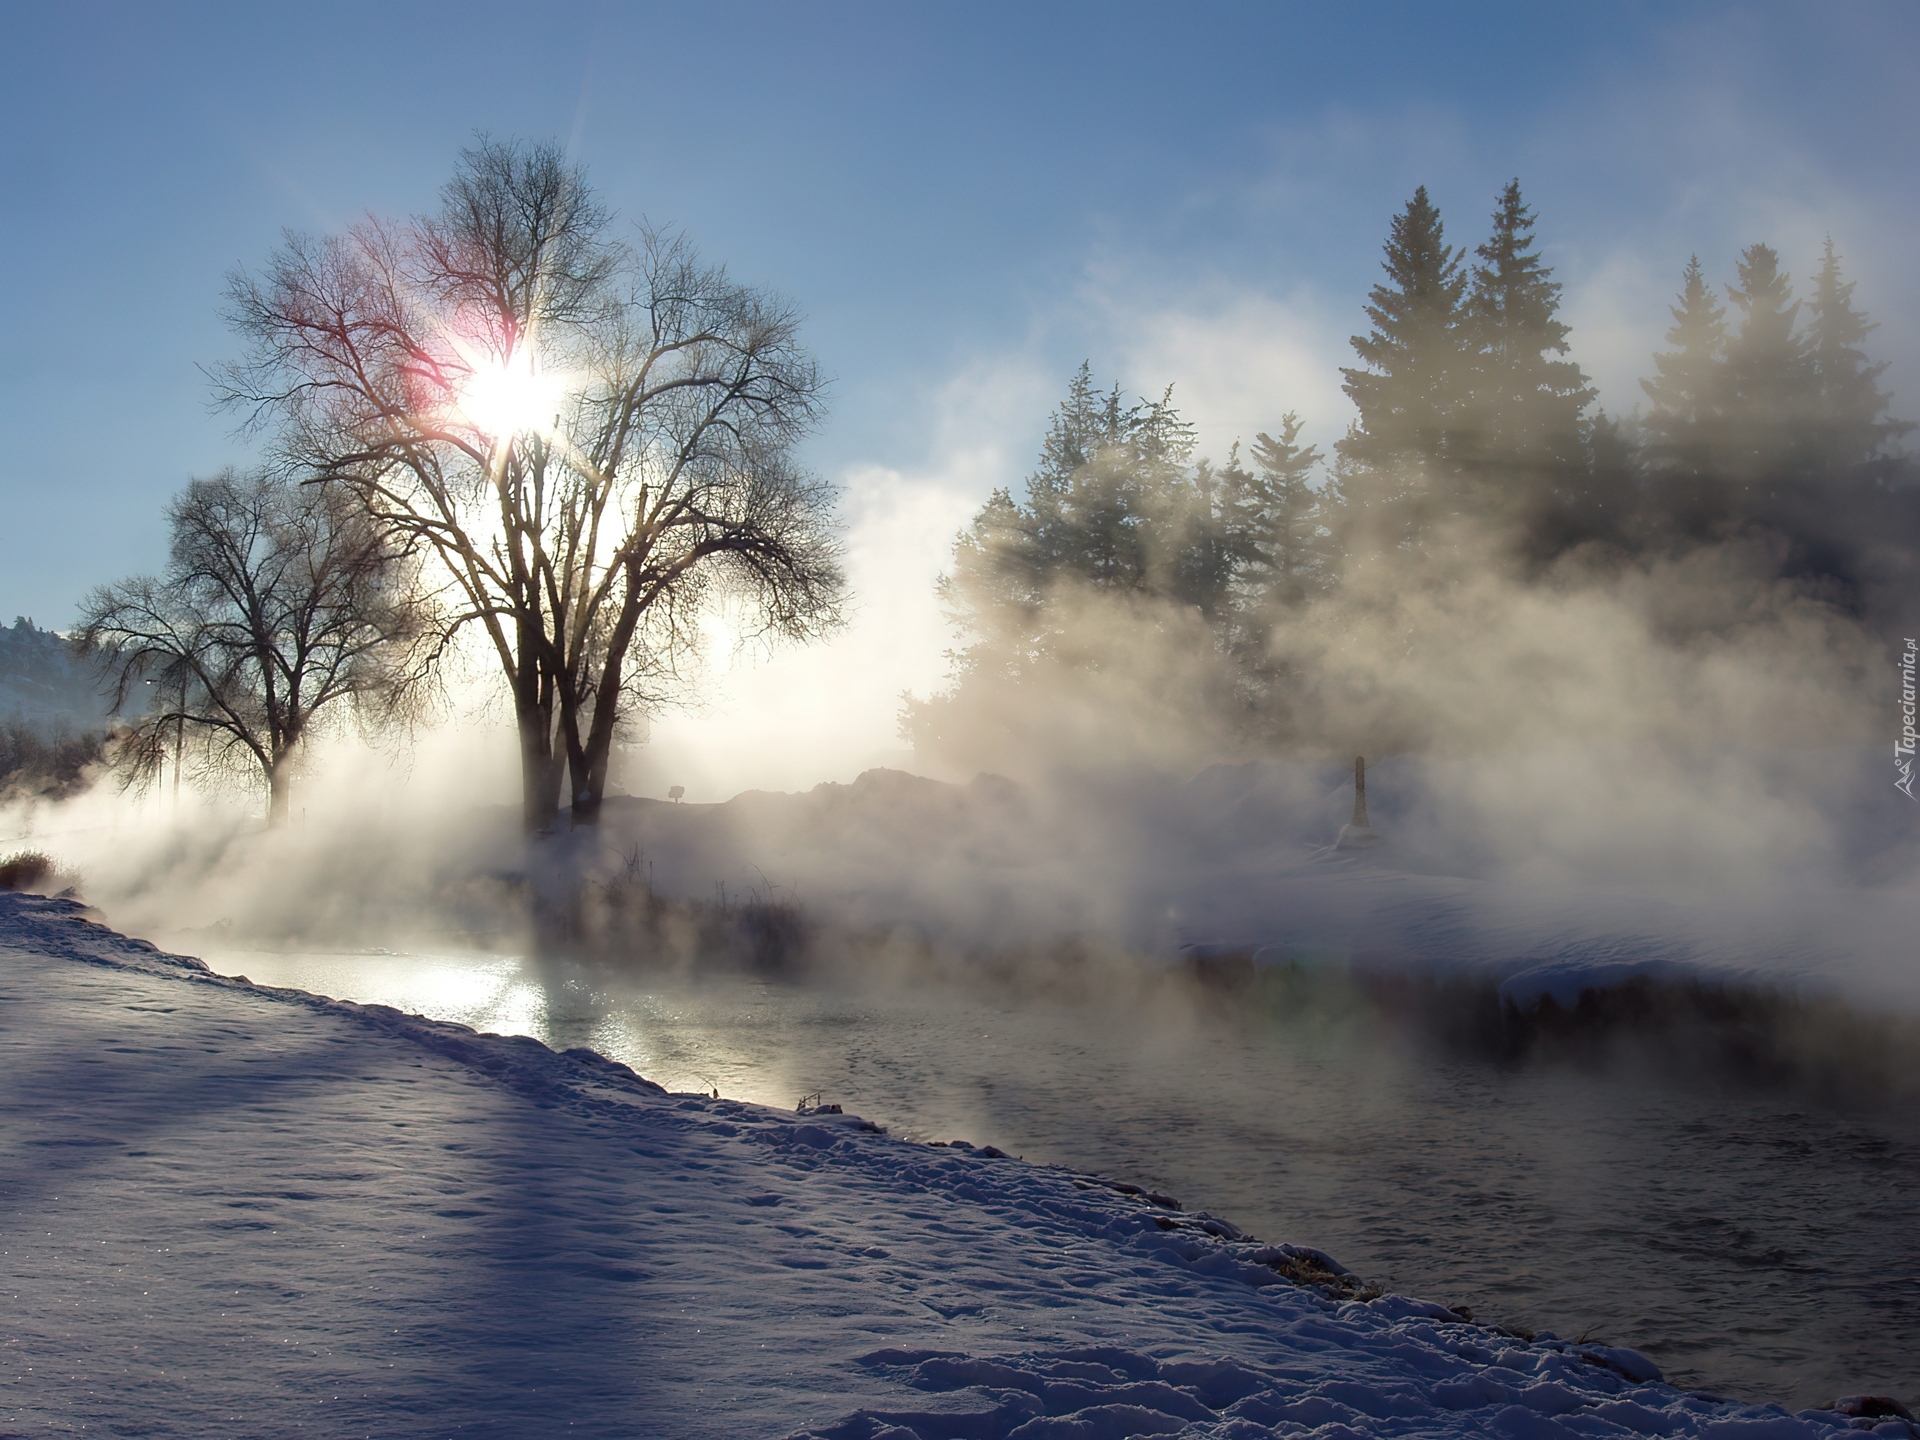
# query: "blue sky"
[[965, 200]]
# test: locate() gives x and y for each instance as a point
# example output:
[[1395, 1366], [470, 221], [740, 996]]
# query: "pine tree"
[[1522, 433], [1115, 512], [1408, 388], [1767, 376], [1606, 505], [1687, 423], [997, 590], [1848, 407], [1192, 555], [1120, 510], [1111, 506], [1275, 518], [1086, 425], [1823, 480], [1767, 427], [1688, 390]]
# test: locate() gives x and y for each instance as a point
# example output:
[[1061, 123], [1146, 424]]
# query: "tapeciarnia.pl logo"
[[1903, 747]]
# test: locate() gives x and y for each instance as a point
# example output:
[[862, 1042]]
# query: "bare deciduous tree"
[[280, 601], [595, 437]]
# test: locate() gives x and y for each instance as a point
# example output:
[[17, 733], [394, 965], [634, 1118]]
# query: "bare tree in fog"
[[595, 437], [280, 604]]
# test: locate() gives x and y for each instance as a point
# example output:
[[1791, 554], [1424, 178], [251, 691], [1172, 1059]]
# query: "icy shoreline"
[[432, 1231]]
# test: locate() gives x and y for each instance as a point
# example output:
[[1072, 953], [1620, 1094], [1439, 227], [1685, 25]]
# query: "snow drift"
[[242, 1211]]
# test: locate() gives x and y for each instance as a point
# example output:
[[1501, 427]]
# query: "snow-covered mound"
[[239, 1211], [1461, 874]]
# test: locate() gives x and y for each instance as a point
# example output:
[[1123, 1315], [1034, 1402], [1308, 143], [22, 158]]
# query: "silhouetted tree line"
[[52, 762], [53, 729], [1476, 436]]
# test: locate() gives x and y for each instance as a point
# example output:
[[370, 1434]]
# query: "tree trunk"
[[583, 796], [596, 754], [534, 698], [587, 761], [586, 794], [586, 808], [539, 770], [279, 794]]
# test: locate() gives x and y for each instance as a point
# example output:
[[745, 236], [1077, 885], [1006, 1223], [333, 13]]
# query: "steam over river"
[[1752, 1245]]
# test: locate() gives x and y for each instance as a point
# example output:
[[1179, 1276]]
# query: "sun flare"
[[511, 397]]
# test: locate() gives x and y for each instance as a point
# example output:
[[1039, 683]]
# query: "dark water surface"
[[1754, 1244]]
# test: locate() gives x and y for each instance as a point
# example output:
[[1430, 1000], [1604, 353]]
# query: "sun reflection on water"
[[1510, 1188], [681, 1042]]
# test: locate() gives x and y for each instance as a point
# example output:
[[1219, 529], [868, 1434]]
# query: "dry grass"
[[25, 870]]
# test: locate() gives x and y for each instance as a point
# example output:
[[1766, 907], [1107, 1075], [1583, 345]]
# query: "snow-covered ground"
[[230, 1210]]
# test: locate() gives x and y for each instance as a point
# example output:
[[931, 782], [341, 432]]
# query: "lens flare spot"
[[504, 398]]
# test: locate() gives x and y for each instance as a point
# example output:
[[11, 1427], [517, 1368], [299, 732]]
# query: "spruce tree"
[[1408, 388], [1688, 391], [1085, 425], [1767, 376], [1192, 555], [1827, 494], [1115, 509], [1686, 424], [1848, 408], [1522, 432], [1275, 521], [1121, 509], [1607, 506], [1112, 505]]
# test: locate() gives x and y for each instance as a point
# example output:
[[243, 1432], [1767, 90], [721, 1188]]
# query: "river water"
[[1752, 1244]]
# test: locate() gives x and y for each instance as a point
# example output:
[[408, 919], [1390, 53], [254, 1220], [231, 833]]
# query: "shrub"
[[25, 869]]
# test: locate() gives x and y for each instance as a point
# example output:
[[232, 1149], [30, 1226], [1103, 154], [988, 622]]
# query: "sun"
[[513, 397]]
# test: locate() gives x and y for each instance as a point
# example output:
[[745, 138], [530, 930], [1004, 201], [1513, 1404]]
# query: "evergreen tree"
[[1606, 505], [1124, 510], [996, 592], [1104, 469], [1688, 388], [1085, 425], [1767, 375], [1408, 388], [1688, 419], [1848, 407], [1523, 427], [1112, 505], [1115, 510], [1823, 474], [1767, 427], [1275, 521]]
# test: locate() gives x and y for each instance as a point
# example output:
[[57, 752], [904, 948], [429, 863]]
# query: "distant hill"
[[42, 686]]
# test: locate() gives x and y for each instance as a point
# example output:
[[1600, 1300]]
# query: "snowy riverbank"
[[231, 1210]]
